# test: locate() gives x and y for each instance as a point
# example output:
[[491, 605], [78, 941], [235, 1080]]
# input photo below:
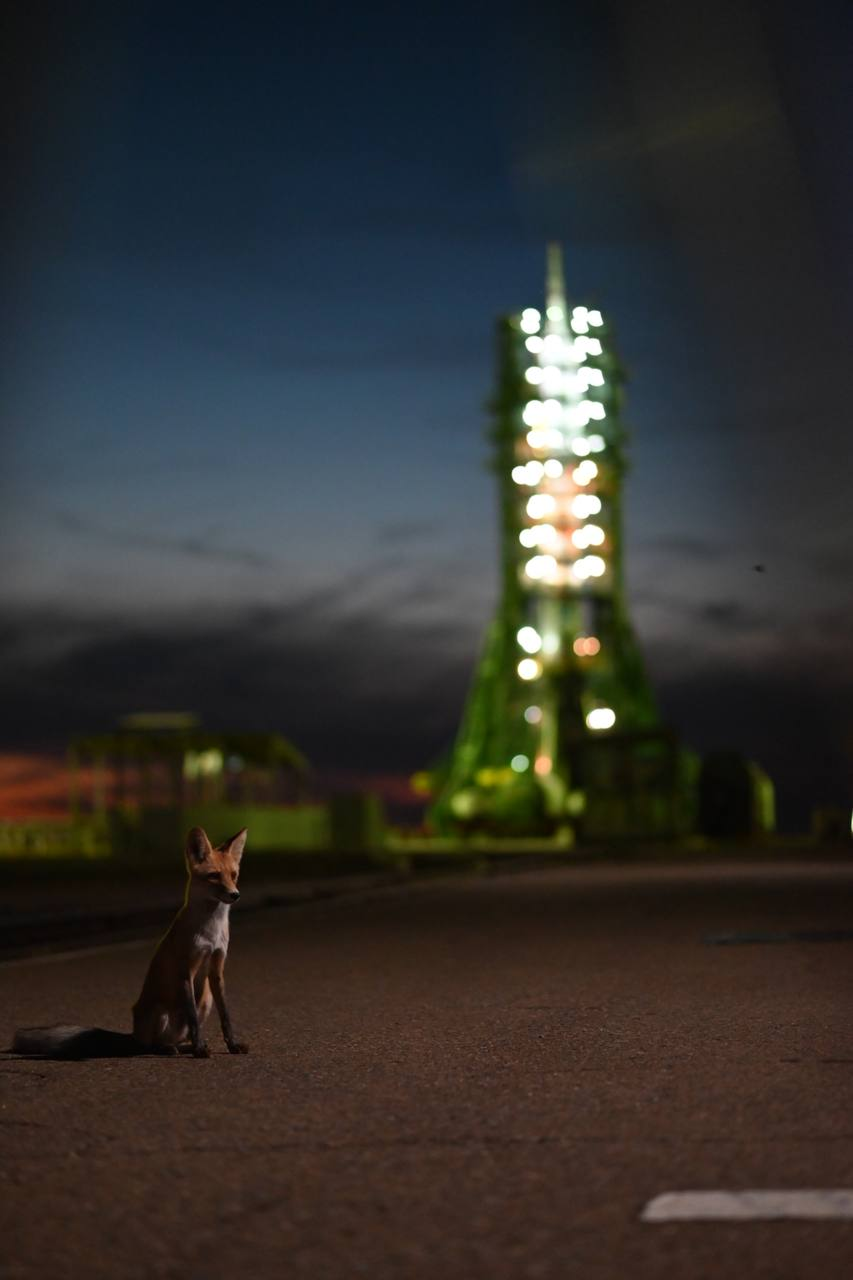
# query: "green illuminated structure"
[[560, 734], [160, 773]]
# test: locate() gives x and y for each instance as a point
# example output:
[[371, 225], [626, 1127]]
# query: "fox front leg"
[[217, 986], [200, 1049]]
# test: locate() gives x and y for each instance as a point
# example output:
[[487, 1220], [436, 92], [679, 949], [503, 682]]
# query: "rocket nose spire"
[[555, 285]]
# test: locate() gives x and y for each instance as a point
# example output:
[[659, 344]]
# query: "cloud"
[[407, 531], [274, 352], [32, 785], [684, 547], [355, 684], [196, 547], [691, 613], [727, 613], [721, 123], [368, 675]]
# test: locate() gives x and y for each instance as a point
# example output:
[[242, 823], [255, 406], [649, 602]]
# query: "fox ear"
[[199, 847], [235, 846]]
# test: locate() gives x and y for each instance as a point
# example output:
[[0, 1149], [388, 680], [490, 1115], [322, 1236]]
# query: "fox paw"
[[166, 1050], [201, 1051], [234, 1047]]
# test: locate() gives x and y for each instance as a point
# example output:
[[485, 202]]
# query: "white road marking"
[[739, 1206]]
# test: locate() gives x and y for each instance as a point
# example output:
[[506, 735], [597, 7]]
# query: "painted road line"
[[741, 1206]]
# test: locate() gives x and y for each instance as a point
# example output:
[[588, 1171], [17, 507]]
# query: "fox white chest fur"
[[212, 933]]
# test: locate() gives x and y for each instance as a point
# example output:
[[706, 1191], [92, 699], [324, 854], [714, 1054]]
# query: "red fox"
[[186, 974]]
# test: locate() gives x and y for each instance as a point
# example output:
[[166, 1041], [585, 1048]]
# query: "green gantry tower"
[[560, 730]]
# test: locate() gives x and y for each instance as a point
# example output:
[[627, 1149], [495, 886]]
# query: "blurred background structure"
[[159, 775], [135, 792], [251, 257], [560, 740], [560, 735]]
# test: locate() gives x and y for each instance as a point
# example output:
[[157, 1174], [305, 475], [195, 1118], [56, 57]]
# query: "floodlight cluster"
[[530, 320], [589, 567], [529, 639], [588, 535], [561, 491], [557, 416], [585, 504], [585, 473]]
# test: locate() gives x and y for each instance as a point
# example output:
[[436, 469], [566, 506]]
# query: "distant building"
[[160, 773]]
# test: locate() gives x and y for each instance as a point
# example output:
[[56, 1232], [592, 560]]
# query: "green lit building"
[[560, 735], [142, 786]]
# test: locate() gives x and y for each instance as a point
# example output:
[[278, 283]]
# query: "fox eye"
[[215, 876]]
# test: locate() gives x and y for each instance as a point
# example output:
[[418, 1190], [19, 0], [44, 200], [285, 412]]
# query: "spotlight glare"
[[601, 718], [529, 639], [585, 472], [541, 504]]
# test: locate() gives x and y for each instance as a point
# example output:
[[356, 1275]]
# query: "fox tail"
[[74, 1042]]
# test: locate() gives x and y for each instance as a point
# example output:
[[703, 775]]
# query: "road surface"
[[477, 1077]]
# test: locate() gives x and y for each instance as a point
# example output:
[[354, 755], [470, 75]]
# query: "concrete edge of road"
[[83, 930], [36, 932], [29, 934]]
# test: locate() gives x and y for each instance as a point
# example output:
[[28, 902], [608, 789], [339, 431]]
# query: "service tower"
[[561, 672]]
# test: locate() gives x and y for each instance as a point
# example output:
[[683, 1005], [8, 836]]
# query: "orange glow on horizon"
[[36, 787], [33, 786]]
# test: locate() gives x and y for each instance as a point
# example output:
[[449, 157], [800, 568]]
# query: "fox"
[[185, 978]]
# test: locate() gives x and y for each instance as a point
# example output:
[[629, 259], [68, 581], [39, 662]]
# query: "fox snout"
[[232, 895]]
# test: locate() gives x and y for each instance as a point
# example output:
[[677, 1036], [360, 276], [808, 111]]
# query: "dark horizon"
[[256, 262]]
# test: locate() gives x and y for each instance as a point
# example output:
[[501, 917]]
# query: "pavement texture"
[[484, 1076]]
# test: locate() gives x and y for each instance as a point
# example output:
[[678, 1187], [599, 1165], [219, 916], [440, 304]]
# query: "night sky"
[[255, 255]]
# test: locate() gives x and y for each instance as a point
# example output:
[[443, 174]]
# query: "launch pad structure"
[[560, 736]]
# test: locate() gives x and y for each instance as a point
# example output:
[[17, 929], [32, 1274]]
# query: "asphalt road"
[[477, 1077]]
